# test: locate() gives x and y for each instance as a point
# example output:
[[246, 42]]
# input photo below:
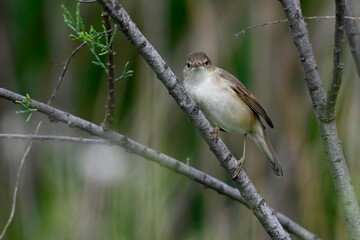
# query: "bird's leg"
[[240, 163], [216, 133]]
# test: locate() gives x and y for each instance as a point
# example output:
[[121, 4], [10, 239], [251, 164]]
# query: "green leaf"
[[29, 108], [105, 32], [112, 36], [68, 19], [96, 63], [96, 45], [79, 22], [103, 53], [126, 73]]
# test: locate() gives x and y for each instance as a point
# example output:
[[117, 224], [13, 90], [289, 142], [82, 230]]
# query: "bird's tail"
[[262, 141]]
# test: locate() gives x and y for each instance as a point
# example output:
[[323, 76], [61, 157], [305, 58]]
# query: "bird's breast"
[[220, 104]]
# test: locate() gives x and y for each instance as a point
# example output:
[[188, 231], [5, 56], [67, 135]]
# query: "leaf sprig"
[[29, 107], [126, 73], [93, 39]]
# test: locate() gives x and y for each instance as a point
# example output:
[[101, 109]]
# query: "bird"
[[228, 106]]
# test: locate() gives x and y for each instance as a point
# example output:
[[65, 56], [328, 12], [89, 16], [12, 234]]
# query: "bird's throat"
[[198, 75]]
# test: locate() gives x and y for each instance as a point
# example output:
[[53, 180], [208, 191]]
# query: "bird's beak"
[[197, 64]]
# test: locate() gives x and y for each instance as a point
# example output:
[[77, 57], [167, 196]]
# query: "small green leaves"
[[68, 19], [29, 108], [93, 38], [98, 43], [126, 73]]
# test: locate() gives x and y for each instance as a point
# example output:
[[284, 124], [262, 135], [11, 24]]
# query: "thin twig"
[[86, 1], [353, 35], [256, 202], [285, 20], [16, 187], [109, 113], [259, 25], [146, 152], [329, 112], [24, 156], [328, 129], [55, 138], [61, 77]]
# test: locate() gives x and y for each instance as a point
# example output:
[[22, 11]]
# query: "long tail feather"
[[262, 141]]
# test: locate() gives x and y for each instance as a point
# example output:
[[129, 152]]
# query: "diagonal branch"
[[62, 75], [353, 35], [329, 113], [328, 129], [146, 152], [256, 202]]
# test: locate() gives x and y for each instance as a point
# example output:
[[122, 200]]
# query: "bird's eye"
[[206, 62], [188, 65]]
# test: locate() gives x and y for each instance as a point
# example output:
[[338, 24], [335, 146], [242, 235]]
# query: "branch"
[[259, 25], [285, 20], [329, 113], [109, 114], [353, 35], [55, 138], [328, 129], [86, 1], [255, 201], [16, 187], [61, 77], [179, 167]]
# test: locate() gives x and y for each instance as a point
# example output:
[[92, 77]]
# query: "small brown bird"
[[228, 105]]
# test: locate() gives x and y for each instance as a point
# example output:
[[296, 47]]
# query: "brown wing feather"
[[245, 95]]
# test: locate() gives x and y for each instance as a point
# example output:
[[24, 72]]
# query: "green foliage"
[[126, 73], [93, 39], [29, 107], [98, 42]]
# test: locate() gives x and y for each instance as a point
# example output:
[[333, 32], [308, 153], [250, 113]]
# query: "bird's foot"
[[216, 133], [240, 164]]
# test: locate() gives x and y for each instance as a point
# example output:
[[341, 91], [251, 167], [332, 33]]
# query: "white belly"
[[220, 105]]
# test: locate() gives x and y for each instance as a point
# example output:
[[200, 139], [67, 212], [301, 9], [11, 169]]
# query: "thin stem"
[[109, 114], [86, 1], [55, 138], [16, 187], [348, 17], [61, 77], [329, 113], [353, 35]]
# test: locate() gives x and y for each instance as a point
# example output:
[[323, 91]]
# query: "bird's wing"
[[245, 95]]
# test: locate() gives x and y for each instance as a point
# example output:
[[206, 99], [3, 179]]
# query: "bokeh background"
[[78, 191]]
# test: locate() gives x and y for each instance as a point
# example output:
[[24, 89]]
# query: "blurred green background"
[[77, 191]]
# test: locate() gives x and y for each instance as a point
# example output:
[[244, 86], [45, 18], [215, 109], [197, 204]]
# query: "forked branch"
[[327, 127]]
